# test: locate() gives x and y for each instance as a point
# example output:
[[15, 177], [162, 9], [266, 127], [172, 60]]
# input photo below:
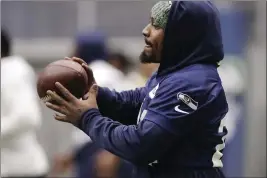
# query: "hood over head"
[[192, 35]]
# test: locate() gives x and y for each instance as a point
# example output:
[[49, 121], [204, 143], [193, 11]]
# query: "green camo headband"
[[160, 12]]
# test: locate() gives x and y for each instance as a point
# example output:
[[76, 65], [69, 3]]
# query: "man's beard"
[[146, 59]]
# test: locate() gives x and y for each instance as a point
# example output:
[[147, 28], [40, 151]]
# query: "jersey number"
[[216, 158]]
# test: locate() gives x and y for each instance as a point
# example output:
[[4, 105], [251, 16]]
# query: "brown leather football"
[[69, 73]]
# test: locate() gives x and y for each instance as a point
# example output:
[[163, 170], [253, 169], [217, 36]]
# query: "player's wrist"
[[87, 115]]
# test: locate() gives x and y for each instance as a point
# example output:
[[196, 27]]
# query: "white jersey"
[[21, 154]]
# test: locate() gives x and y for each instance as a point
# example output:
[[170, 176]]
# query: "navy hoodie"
[[175, 122]]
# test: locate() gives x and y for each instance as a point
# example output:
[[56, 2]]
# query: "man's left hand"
[[71, 107]]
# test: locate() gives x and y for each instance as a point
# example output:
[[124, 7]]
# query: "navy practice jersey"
[[192, 109], [174, 123], [179, 126]]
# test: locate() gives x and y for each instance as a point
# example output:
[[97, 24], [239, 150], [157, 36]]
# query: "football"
[[69, 73]]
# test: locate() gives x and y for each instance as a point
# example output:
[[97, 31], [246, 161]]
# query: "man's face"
[[154, 36]]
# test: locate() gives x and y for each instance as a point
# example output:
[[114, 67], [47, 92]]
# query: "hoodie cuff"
[[87, 116]]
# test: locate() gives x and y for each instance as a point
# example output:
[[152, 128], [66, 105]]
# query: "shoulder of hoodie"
[[196, 76]]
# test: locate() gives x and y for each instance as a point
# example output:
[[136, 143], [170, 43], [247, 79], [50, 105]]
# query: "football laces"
[[46, 98]]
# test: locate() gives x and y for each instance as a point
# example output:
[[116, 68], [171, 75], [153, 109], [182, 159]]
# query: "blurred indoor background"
[[45, 31]]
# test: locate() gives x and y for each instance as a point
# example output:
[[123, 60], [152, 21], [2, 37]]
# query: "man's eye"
[[156, 26]]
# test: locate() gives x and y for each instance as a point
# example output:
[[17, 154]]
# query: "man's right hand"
[[83, 63]]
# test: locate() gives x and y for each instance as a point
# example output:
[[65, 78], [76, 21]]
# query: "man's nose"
[[146, 31]]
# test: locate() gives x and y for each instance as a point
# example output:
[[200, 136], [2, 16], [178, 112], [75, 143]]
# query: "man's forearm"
[[140, 144], [120, 106]]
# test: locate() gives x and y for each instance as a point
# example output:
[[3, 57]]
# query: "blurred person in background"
[[138, 75], [142, 73], [21, 154], [232, 73], [87, 159], [120, 61]]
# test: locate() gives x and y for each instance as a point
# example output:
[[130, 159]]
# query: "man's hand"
[[71, 107], [86, 67], [83, 63], [76, 59]]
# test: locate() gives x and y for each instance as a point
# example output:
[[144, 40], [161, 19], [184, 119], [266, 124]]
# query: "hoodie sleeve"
[[120, 106], [174, 106], [181, 105], [140, 144]]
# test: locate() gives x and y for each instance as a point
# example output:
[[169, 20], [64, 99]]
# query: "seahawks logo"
[[187, 100]]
